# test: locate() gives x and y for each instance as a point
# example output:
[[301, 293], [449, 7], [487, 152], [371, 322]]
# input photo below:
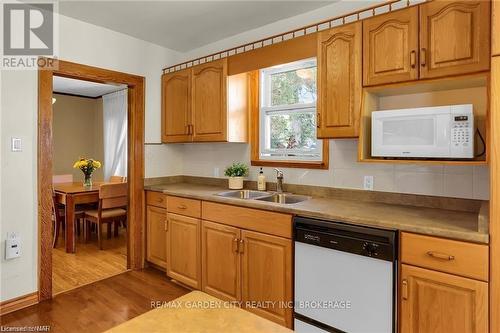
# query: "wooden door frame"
[[135, 227]]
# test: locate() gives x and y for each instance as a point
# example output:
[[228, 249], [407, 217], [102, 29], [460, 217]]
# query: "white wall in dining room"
[[86, 44]]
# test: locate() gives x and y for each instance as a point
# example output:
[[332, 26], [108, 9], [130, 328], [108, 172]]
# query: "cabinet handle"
[[235, 245], [442, 256], [318, 120], [159, 199], [191, 129], [166, 225], [187, 129], [182, 207], [423, 57], [413, 59], [404, 289], [241, 246]]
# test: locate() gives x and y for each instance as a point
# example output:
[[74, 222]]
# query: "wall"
[[77, 132], [345, 171], [87, 44]]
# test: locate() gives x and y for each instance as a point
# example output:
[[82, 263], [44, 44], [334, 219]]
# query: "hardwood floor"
[[88, 264], [99, 306]]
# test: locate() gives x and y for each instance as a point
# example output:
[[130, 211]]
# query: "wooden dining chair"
[[117, 179], [112, 209], [57, 220], [61, 222], [58, 179]]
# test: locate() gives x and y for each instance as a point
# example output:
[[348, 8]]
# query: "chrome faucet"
[[279, 180]]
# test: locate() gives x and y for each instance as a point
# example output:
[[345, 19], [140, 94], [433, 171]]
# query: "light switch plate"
[[16, 145]]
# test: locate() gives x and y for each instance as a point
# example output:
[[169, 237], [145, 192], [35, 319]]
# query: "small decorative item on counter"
[[88, 166], [236, 172], [261, 181]]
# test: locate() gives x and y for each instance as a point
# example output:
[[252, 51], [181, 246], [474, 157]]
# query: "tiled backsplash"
[[471, 182]]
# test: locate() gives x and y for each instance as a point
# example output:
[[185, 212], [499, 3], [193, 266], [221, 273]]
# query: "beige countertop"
[[199, 312], [429, 221]]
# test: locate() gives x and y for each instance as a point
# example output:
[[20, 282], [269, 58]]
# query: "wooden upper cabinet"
[[184, 250], [156, 220], [204, 104], [221, 265], [176, 106], [267, 275], [209, 91], [439, 302], [454, 38], [390, 46], [339, 81], [495, 28]]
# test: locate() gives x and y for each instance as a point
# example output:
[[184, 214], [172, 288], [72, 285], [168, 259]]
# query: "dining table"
[[70, 195]]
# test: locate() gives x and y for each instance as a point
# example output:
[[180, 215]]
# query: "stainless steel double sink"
[[281, 198]]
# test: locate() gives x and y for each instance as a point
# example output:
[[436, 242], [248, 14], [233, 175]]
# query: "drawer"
[[450, 256], [272, 223], [184, 206], [157, 199]]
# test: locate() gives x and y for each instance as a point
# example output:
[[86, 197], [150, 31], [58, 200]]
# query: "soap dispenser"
[[261, 181]]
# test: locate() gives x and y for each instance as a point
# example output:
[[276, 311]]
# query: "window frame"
[[257, 95]]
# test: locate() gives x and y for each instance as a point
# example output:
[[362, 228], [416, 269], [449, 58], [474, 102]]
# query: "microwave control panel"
[[461, 131]]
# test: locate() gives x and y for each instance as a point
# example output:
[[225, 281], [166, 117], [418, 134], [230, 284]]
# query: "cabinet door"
[[454, 38], [156, 219], [184, 250], [440, 302], [267, 276], [495, 28], [176, 106], [209, 85], [220, 261], [339, 81], [390, 46]]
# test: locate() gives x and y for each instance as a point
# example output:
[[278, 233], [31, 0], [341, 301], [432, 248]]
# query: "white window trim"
[[265, 153]]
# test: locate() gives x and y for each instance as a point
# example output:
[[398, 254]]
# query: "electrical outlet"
[[368, 183], [216, 172]]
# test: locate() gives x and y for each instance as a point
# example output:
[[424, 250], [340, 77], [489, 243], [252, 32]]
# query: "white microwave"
[[430, 132]]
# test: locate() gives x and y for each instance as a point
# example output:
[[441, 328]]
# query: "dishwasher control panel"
[[368, 242]]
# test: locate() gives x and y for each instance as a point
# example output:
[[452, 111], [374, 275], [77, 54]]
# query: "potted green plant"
[[236, 172]]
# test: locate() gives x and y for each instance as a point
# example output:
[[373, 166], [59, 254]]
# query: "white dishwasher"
[[345, 278]]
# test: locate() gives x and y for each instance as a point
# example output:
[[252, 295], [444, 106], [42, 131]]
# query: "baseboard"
[[18, 303]]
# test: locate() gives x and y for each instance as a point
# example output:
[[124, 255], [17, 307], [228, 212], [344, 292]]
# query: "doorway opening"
[[100, 226], [89, 127]]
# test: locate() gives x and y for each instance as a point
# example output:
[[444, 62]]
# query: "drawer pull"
[[441, 256], [404, 287], [166, 225], [159, 199], [182, 206]]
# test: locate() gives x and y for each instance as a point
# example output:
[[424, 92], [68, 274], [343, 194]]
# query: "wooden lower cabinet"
[[184, 250], [251, 267], [438, 302], [221, 265], [267, 276], [156, 236]]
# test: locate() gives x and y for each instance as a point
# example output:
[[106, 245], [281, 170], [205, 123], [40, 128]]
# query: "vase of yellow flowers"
[[88, 166]]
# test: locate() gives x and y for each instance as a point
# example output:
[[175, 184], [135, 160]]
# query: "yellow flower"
[[87, 163]]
